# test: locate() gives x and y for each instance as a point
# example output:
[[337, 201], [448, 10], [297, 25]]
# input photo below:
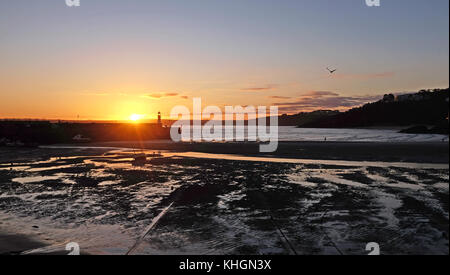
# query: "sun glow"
[[136, 117]]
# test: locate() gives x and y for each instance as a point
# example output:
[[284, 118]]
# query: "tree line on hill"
[[426, 110]]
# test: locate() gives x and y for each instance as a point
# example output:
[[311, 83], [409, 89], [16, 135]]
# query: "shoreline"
[[416, 152]]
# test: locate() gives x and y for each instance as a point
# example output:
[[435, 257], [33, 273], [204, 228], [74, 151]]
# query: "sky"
[[109, 59]]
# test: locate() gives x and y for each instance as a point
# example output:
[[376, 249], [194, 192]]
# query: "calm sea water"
[[361, 135], [291, 133]]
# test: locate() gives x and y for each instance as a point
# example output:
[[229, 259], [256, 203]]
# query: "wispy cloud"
[[315, 100], [161, 95], [259, 89], [279, 97], [317, 94], [165, 95], [311, 94], [171, 94]]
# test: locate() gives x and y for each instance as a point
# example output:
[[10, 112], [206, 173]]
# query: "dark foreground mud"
[[97, 198]]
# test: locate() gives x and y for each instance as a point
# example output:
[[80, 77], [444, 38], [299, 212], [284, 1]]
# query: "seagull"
[[331, 71]]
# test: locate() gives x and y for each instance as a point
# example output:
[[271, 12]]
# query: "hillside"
[[305, 118], [427, 107]]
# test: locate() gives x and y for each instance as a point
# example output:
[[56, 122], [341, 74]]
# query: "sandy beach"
[[432, 152], [95, 197]]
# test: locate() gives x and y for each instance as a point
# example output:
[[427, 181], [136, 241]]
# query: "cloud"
[[279, 97], [317, 94], [165, 95], [311, 94], [325, 100], [157, 96], [259, 89], [171, 94], [154, 95]]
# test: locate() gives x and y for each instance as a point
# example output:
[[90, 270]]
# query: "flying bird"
[[331, 71]]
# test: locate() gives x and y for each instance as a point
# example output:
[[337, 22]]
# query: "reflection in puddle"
[[109, 182], [14, 168], [34, 179], [301, 180], [309, 161]]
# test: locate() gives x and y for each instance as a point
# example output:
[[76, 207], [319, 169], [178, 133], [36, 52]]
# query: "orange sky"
[[108, 61]]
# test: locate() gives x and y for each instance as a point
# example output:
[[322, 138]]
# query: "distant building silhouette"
[[389, 98]]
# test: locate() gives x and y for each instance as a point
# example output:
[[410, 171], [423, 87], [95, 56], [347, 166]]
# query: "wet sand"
[[15, 243], [97, 198], [429, 152]]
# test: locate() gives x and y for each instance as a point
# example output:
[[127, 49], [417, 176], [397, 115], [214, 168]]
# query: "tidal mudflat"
[[97, 198]]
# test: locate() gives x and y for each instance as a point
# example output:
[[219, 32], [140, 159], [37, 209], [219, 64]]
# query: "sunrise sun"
[[136, 117]]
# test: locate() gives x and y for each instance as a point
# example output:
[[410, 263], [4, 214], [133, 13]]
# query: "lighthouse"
[[159, 119]]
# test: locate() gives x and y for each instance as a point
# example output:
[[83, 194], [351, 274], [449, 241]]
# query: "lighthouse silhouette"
[[159, 119]]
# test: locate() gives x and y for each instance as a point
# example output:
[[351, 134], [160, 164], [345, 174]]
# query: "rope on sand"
[[328, 236], [149, 228], [283, 236]]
